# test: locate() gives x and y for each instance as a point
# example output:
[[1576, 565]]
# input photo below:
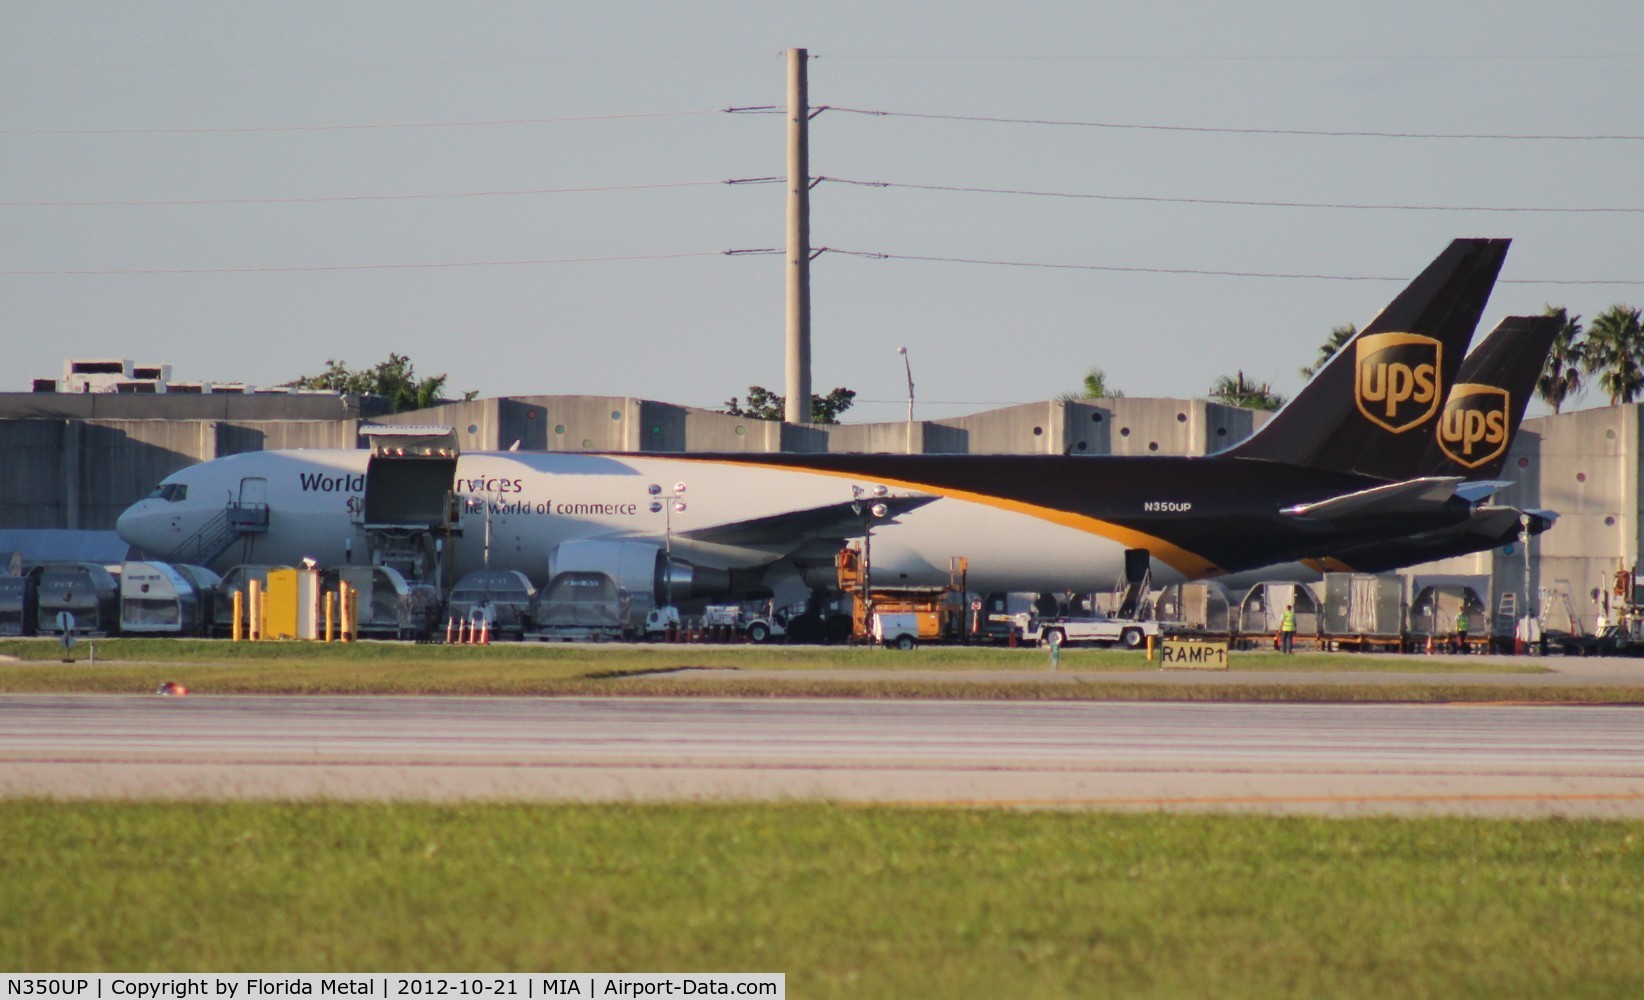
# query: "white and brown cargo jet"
[[1356, 464]]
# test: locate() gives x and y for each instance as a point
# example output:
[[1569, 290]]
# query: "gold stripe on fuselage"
[[1190, 564]]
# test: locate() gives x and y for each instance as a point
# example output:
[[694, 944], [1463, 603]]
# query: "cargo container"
[[1363, 608], [580, 605], [387, 606], [160, 598], [89, 593], [19, 604], [500, 597]]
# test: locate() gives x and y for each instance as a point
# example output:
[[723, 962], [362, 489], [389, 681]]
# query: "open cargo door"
[[409, 477]]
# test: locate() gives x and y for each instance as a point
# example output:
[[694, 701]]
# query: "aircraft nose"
[[135, 524]]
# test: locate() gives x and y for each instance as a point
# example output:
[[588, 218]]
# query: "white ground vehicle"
[[765, 628], [896, 628], [659, 620], [1059, 631]]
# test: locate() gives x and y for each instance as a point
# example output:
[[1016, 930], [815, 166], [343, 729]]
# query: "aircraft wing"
[[787, 530], [1481, 490], [1410, 496]]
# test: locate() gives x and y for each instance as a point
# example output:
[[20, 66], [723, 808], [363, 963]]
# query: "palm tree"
[[1095, 387], [1561, 378], [1339, 336], [1235, 391], [1615, 352]]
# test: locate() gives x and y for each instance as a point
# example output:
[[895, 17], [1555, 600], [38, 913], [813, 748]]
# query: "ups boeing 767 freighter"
[[1372, 457]]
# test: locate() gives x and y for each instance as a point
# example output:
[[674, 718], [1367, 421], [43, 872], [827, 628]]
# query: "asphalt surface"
[[1276, 758]]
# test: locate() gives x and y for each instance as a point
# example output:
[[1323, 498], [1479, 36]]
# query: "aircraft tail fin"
[[1487, 401], [1371, 409]]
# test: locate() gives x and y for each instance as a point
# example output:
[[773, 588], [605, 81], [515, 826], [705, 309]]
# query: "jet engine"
[[639, 568]]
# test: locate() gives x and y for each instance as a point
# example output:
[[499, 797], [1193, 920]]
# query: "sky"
[[530, 197]]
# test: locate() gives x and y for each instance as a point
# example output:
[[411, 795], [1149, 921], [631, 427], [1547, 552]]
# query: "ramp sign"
[[1183, 654]]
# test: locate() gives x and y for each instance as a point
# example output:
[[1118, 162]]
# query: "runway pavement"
[[1326, 759]]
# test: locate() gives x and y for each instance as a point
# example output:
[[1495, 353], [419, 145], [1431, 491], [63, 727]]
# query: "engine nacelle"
[[639, 568]]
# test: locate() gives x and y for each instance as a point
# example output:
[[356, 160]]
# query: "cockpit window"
[[170, 492]]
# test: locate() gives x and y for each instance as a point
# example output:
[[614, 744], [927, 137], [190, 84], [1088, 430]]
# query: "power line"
[[1337, 134], [1247, 203], [1271, 57], [741, 181], [472, 123], [764, 251], [317, 199], [1198, 272], [290, 268]]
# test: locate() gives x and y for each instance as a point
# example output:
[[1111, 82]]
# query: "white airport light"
[[868, 511], [667, 504]]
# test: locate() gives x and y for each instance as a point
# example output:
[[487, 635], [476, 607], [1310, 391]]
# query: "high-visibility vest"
[[1288, 622], [1461, 621]]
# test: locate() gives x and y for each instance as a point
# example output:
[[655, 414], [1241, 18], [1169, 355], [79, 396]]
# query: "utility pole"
[[909, 366], [798, 406]]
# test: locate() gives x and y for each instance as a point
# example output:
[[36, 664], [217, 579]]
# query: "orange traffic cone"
[[485, 632]]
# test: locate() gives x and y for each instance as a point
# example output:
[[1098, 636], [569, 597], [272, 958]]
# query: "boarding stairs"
[[1133, 594], [1559, 594], [234, 522], [1507, 614]]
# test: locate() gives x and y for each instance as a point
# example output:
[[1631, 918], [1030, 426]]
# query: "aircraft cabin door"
[[254, 492]]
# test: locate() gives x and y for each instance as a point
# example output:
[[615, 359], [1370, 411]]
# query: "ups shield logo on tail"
[[1473, 428], [1396, 380]]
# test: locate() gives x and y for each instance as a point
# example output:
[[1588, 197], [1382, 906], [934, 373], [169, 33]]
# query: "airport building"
[[76, 459]]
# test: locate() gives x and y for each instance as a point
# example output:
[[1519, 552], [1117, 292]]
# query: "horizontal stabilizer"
[[1485, 528], [1409, 496]]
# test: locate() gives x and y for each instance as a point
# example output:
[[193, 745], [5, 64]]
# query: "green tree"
[[763, 404], [1095, 387], [394, 379], [1615, 352], [1235, 391], [1339, 336], [1561, 379]]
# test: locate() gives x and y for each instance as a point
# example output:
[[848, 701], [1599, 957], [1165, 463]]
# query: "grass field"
[[848, 902], [139, 665]]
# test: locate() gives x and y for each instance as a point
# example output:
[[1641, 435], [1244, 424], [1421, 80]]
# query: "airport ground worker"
[[1287, 629], [1461, 630]]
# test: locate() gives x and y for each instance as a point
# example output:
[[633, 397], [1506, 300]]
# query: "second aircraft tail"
[[1485, 405]]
